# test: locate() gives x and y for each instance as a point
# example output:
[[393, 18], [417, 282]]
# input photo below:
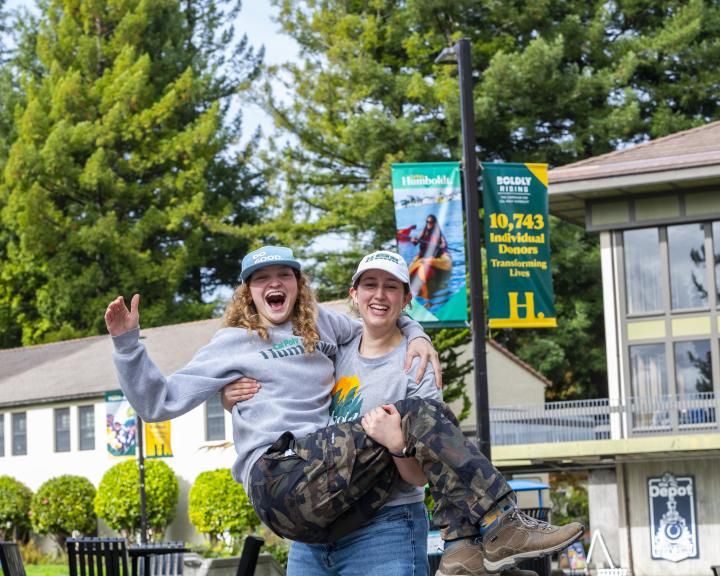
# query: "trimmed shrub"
[[64, 505], [118, 497], [218, 507], [15, 500]]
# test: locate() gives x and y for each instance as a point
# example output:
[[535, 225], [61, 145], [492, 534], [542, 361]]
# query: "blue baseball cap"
[[267, 256]]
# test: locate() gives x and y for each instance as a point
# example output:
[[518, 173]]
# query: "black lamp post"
[[460, 54], [140, 446]]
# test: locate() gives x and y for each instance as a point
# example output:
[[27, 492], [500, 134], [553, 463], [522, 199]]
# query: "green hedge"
[[118, 497], [64, 505], [15, 499], [218, 506]]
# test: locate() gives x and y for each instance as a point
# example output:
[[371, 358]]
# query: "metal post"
[[141, 470], [461, 54]]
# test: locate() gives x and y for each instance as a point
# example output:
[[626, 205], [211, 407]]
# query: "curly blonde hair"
[[242, 313]]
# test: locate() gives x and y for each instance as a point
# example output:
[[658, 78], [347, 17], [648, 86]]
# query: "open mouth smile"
[[275, 300]]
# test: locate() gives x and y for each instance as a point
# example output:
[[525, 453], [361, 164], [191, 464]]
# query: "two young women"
[[317, 485], [369, 375]]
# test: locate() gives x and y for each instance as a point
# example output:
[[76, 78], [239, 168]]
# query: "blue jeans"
[[392, 543]]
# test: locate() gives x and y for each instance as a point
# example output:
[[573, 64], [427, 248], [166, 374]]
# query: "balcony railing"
[[577, 420]]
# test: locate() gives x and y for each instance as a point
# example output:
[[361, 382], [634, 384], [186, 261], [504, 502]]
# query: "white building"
[[652, 448]]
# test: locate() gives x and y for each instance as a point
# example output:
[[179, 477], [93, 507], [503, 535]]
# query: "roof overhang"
[[570, 189]]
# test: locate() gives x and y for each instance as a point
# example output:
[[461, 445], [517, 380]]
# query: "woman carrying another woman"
[[369, 377], [316, 484], [368, 374]]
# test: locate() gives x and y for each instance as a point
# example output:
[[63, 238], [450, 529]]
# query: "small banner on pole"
[[120, 425], [157, 440], [431, 239], [517, 243], [121, 430]]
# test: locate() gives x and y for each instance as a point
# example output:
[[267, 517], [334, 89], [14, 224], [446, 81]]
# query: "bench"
[[10, 559], [113, 557], [97, 556], [157, 559]]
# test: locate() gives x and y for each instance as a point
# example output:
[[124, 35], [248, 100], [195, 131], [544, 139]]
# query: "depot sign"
[[672, 518]]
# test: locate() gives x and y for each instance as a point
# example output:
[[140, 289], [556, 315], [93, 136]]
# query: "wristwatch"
[[405, 452]]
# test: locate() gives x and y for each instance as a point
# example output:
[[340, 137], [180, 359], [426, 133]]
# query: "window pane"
[[19, 433], [2, 435], [86, 427], [642, 270], [62, 429], [693, 373], [686, 246], [648, 377], [693, 368], [716, 250], [215, 425]]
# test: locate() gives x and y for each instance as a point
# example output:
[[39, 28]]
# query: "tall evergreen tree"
[[10, 97], [125, 172], [555, 81]]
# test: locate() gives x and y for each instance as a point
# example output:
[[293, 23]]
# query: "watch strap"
[[405, 453]]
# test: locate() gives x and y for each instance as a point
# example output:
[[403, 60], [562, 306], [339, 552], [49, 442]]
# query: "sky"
[[255, 20]]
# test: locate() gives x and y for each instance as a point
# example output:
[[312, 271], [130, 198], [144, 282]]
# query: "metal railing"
[[578, 420]]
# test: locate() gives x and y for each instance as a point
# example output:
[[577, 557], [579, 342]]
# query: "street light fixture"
[[460, 54]]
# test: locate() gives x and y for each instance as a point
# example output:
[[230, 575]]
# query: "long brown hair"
[[242, 313]]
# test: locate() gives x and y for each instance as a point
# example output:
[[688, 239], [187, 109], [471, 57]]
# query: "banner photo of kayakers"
[[431, 239], [517, 243]]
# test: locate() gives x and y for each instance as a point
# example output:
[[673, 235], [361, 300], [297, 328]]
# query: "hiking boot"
[[518, 536], [466, 559]]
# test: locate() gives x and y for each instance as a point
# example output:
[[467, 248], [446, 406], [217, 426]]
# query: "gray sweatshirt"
[[363, 383], [295, 395]]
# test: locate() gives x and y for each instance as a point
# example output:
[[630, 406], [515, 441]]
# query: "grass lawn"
[[47, 569]]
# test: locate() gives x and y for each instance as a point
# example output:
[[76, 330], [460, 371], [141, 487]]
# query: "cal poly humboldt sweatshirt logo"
[[294, 347]]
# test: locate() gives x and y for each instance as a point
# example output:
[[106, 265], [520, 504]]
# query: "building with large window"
[[655, 454]]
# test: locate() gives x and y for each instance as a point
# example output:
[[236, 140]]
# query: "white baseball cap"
[[390, 262]]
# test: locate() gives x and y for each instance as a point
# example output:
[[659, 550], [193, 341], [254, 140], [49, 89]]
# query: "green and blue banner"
[[121, 425], [517, 243], [431, 239]]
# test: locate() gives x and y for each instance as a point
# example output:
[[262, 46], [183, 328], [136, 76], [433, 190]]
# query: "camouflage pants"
[[329, 484], [332, 481], [464, 483]]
